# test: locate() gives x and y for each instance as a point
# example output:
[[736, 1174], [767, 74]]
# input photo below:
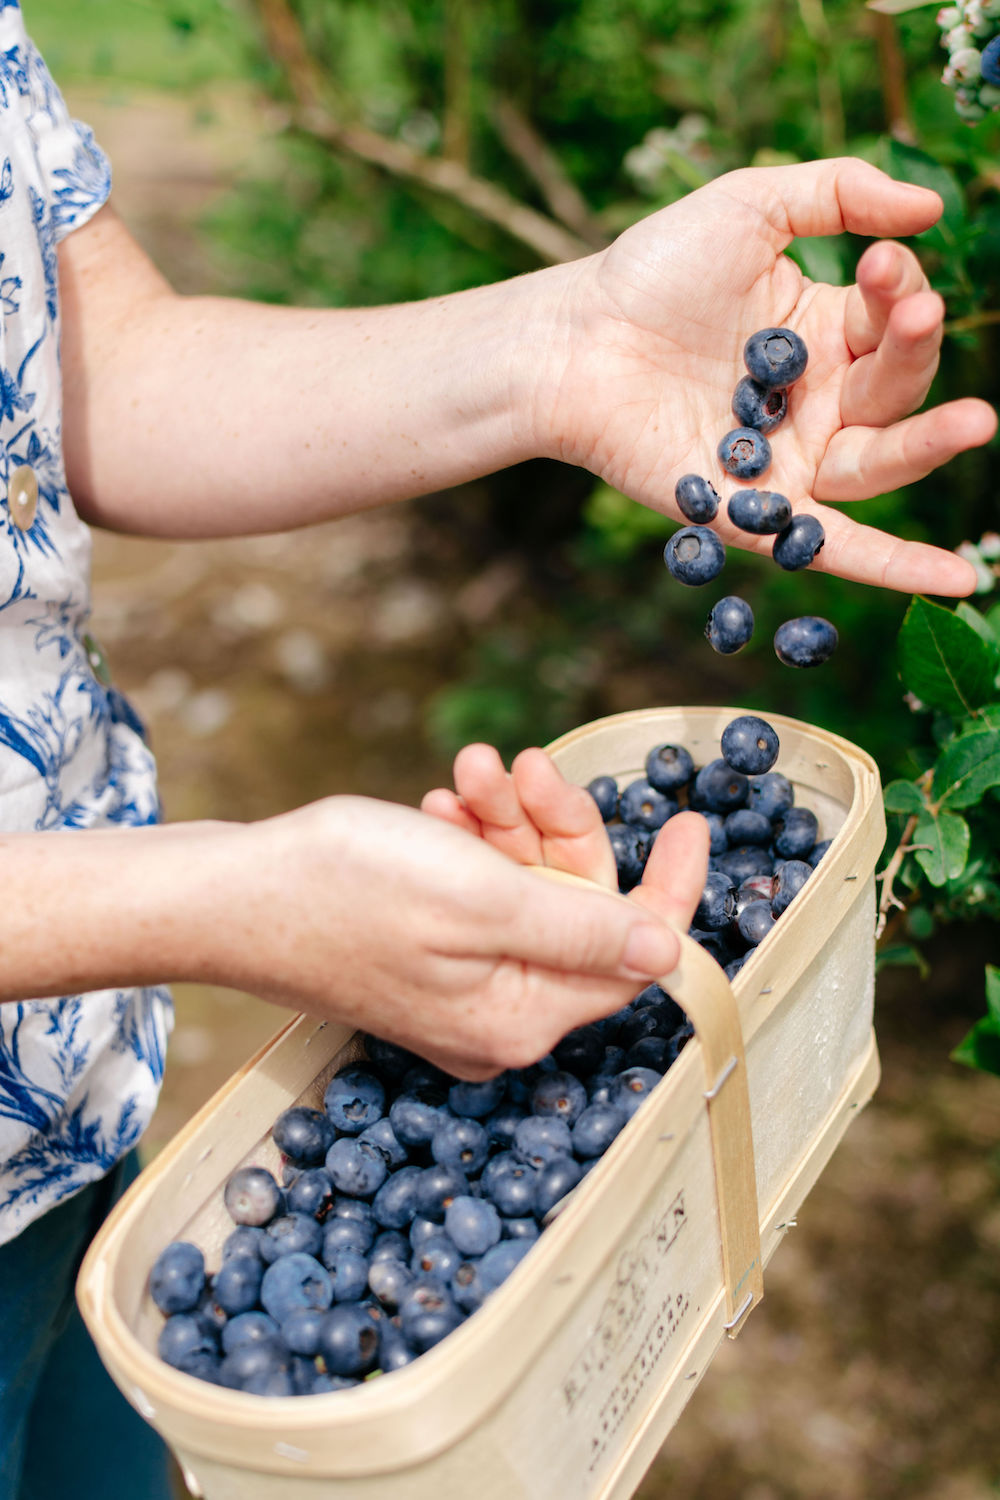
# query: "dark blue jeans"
[[66, 1432]]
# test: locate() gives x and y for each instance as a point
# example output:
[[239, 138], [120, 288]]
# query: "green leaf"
[[920, 923], [980, 623], [945, 840], [821, 258], [902, 955], [967, 768], [943, 661], [908, 164], [897, 7], [993, 994], [904, 797], [980, 1048]]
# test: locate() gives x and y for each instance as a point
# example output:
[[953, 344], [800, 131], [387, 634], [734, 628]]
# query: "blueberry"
[[730, 625], [477, 1100], [250, 1328], [539, 1138], [559, 1095], [755, 922], [806, 641], [604, 790], [580, 1051], [746, 860], [750, 745], [770, 794], [236, 1285], [391, 1060], [356, 1168], [642, 806], [290, 1234], [349, 1274], [354, 1209], [754, 888], [643, 1021], [295, 1281], [497, 1264], [775, 357], [745, 453], [262, 1369], [798, 543], [509, 1184], [736, 964], [789, 878], [744, 826], [696, 499], [310, 1193], [461, 1143], [990, 62], [630, 851], [795, 833], [303, 1135], [818, 851], [300, 1331], [631, 1088], [427, 1314], [555, 1179], [244, 1240], [390, 1280], [252, 1196], [761, 512], [596, 1129], [354, 1099], [669, 767], [390, 1244], [473, 1225], [344, 1234], [502, 1123], [348, 1340], [756, 406], [382, 1136], [717, 902], [393, 1350], [417, 1113], [520, 1229], [649, 1052], [694, 555], [435, 1189], [183, 1343], [422, 1229], [211, 1317], [720, 788], [713, 942], [718, 841], [177, 1279]]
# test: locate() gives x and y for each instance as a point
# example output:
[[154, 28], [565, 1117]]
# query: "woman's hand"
[[647, 350]]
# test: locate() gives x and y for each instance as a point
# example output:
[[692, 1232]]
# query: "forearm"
[[115, 907], [193, 417]]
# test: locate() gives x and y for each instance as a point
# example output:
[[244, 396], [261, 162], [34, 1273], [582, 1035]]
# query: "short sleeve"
[[76, 174]]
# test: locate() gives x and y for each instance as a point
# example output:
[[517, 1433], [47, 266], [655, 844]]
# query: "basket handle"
[[701, 989]]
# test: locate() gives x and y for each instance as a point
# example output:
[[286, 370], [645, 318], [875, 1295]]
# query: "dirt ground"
[[276, 670]]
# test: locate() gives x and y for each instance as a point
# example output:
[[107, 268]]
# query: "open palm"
[[660, 320]]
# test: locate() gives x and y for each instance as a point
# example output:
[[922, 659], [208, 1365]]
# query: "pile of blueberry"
[[775, 358], [763, 848], [403, 1204], [412, 1195]]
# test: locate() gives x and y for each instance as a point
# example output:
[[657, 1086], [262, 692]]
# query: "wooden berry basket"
[[567, 1381]]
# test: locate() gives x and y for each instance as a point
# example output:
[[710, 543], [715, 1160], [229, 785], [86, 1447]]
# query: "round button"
[[22, 496]]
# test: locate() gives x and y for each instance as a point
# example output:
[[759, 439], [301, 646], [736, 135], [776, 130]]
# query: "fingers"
[[883, 386], [887, 273], [489, 795], [866, 555], [443, 804], [828, 197], [862, 461], [571, 828], [579, 932], [675, 872]]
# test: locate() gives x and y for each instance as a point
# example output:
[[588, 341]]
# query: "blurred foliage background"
[[360, 151]]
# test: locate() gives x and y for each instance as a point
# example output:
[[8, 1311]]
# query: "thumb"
[[559, 923]]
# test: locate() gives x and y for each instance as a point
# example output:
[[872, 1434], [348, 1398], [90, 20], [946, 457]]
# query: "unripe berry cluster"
[[971, 36]]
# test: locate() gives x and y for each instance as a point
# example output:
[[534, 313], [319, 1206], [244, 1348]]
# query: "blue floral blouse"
[[79, 1075]]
